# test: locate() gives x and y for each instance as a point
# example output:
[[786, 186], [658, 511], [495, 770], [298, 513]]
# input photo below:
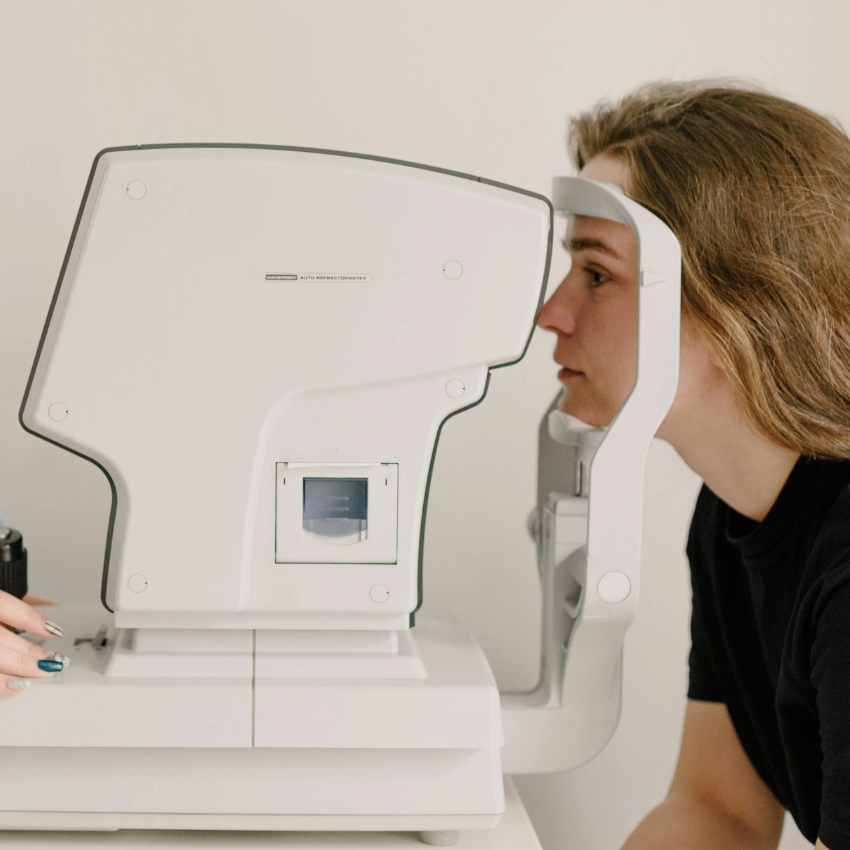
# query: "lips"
[[566, 373]]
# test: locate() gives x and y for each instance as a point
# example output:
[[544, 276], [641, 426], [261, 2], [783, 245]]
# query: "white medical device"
[[258, 346]]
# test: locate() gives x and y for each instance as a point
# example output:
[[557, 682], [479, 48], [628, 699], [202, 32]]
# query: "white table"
[[514, 832]]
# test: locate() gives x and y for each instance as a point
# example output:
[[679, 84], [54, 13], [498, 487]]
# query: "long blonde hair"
[[757, 190]]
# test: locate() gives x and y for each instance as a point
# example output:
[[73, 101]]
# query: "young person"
[[757, 190]]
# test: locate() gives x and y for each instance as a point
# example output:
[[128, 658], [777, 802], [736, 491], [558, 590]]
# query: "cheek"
[[614, 338], [610, 358]]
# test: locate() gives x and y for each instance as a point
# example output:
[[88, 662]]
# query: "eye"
[[597, 278]]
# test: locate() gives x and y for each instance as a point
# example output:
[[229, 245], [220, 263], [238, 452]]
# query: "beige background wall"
[[482, 87]]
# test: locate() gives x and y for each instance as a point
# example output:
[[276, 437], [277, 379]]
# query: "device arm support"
[[590, 585]]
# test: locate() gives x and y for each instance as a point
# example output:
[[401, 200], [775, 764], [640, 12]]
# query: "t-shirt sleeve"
[[702, 680], [831, 679]]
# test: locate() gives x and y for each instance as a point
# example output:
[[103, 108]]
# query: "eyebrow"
[[578, 244]]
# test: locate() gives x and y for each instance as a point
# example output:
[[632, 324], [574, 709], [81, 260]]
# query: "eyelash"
[[595, 277], [591, 272]]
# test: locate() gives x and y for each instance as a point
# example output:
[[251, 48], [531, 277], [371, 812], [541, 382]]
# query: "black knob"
[[13, 563]]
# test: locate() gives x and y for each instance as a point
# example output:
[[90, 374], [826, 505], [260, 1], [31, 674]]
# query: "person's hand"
[[21, 660]]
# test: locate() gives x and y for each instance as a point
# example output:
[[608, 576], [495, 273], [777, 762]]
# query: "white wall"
[[481, 87]]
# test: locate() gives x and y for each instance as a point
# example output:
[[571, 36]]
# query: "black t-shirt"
[[771, 639]]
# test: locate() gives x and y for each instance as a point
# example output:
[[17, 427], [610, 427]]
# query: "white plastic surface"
[[513, 832], [312, 641], [348, 659], [136, 190], [288, 304], [430, 687], [57, 411], [379, 593], [273, 753], [137, 583], [455, 388], [614, 588], [452, 269], [302, 788], [455, 706]]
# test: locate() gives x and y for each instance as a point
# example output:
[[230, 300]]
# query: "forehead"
[[606, 169], [588, 233]]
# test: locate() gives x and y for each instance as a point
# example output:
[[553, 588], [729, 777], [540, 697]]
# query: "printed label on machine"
[[319, 277]]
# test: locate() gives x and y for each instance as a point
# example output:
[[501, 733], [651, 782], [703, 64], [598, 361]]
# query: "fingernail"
[[17, 684], [50, 666], [57, 656], [55, 630]]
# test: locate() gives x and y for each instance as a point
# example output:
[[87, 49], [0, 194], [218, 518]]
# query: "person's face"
[[594, 311]]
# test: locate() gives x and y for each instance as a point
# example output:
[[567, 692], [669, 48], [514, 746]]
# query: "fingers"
[[16, 613], [20, 660], [27, 666], [11, 685], [37, 601], [19, 644]]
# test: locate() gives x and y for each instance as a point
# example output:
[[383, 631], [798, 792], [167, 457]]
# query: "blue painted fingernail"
[[50, 666]]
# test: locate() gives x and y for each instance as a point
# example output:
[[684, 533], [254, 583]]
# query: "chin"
[[583, 412]]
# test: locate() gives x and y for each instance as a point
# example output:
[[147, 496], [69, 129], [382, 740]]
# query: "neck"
[[740, 465]]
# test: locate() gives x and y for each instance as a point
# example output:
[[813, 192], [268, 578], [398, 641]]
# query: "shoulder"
[[707, 529], [706, 512], [828, 564], [831, 540]]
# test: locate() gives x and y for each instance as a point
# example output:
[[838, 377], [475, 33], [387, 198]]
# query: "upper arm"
[[830, 676], [713, 770]]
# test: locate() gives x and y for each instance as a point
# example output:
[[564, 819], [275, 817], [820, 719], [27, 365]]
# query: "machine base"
[[513, 832], [433, 829], [83, 751]]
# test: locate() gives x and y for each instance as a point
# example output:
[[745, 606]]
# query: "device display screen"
[[335, 507]]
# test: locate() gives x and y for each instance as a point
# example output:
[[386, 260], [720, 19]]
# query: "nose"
[[558, 313]]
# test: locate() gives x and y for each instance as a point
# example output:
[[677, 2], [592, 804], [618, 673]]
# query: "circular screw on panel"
[[137, 583], [58, 411], [136, 190], [452, 270], [379, 593], [455, 388]]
